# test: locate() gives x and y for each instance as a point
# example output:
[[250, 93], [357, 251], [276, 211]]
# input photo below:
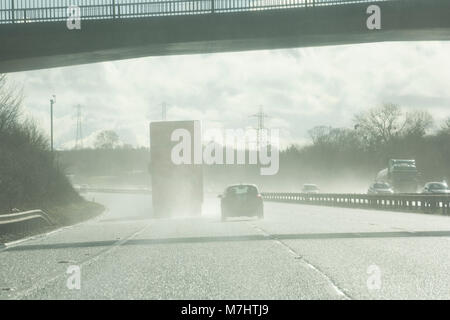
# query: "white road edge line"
[[41, 236], [34, 237], [337, 290]]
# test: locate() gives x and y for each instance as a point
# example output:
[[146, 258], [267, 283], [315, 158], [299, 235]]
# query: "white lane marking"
[[34, 237], [43, 283], [296, 255], [41, 236]]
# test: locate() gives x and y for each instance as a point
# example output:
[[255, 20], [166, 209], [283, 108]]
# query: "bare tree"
[[417, 123], [29, 177], [106, 139], [10, 101], [319, 134], [446, 125], [380, 124]]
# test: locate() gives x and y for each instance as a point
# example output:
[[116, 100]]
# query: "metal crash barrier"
[[397, 202], [24, 221]]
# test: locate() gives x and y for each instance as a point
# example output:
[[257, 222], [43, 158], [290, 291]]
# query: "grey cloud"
[[299, 88]]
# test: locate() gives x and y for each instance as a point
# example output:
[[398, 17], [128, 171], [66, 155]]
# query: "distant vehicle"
[[310, 188], [241, 200], [436, 188], [177, 189], [81, 188], [380, 188], [402, 175]]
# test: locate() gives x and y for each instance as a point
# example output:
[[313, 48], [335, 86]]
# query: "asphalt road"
[[296, 252]]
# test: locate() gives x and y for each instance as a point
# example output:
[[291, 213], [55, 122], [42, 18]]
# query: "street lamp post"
[[52, 102]]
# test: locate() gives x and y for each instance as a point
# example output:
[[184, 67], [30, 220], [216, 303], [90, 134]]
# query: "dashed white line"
[[336, 289], [41, 284]]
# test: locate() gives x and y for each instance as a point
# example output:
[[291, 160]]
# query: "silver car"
[[380, 188], [436, 188]]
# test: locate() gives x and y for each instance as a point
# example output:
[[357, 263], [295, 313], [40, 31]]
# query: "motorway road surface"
[[296, 252]]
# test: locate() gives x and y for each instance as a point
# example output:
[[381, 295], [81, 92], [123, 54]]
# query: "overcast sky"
[[298, 88]]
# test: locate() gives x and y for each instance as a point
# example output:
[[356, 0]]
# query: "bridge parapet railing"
[[397, 202], [28, 11]]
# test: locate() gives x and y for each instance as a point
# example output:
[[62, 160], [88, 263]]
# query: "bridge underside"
[[45, 45]]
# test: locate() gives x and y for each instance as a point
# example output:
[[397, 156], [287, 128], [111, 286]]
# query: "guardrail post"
[[444, 205], [114, 8], [312, 3], [212, 6]]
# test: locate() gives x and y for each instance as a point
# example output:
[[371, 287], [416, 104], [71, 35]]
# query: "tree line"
[[377, 135], [338, 159]]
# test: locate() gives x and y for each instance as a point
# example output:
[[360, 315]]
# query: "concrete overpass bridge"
[[34, 34]]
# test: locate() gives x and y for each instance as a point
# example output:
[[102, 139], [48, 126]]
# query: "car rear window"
[[437, 186], [242, 190]]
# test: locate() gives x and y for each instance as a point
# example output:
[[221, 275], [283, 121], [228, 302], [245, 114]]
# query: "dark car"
[[241, 200], [310, 189], [380, 188], [436, 188]]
